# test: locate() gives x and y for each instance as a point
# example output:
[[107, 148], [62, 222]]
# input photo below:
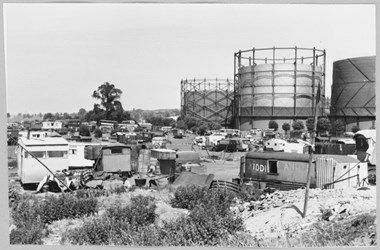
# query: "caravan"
[[52, 152]]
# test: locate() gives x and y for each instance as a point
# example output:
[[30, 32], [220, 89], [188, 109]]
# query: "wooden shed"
[[115, 158]]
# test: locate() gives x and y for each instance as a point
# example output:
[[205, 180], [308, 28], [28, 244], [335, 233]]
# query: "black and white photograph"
[[190, 124]]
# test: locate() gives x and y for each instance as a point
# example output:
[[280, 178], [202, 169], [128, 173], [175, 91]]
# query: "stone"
[[127, 184], [108, 185]]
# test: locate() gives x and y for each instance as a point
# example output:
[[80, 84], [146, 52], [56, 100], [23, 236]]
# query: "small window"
[[57, 154], [37, 154], [116, 150], [273, 167], [73, 151]]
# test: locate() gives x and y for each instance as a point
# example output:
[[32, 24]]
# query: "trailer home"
[[51, 151], [289, 170]]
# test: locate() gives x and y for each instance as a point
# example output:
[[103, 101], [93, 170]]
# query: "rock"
[[108, 185], [127, 184], [12, 227], [332, 217], [241, 208]]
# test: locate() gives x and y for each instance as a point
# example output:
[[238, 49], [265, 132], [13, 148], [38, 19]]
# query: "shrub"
[[139, 213], [29, 227], [87, 193], [29, 234], [250, 193], [188, 197], [95, 231], [66, 206], [118, 225], [340, 233]]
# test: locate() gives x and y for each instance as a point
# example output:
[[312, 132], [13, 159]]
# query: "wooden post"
[[313, 134]]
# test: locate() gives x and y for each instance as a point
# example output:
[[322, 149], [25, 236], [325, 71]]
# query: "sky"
[[57, 54]]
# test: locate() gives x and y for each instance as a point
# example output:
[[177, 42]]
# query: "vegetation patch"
[[31, 214]]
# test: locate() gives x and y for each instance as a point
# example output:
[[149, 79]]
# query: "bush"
[[250, 193], [95, 232], [188, 197], [139, 213], [87, 193], [340, 233], [66, 206], [117, 225], [209, 223], [29, 227], [28, 234]]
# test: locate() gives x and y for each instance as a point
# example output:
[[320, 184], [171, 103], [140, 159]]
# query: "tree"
[[323, 124], [355, 129], [84, 130], [108, 95], [338, 127], [310, 124], [48, 116], [202, 128], [286, 127], [273, 125], [298, 125], [182, 125], [8, 115], [214, 126], [82, 114], [97, 133]]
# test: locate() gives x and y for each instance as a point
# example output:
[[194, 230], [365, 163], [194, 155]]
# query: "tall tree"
[[108, 94], [82, 114]]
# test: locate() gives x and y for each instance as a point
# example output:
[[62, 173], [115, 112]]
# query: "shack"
[[51, 151], [289, 170], [115, 158]]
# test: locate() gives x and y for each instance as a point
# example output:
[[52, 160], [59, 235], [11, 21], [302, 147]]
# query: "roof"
[[367, 133], [298, 157], [115, 145], [279, 156], [339, 158], [52, 141], [163, 150]]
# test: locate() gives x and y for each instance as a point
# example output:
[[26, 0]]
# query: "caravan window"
[[37, 154], [116, 150], [57, 154], [73, 151], [272, 167]]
